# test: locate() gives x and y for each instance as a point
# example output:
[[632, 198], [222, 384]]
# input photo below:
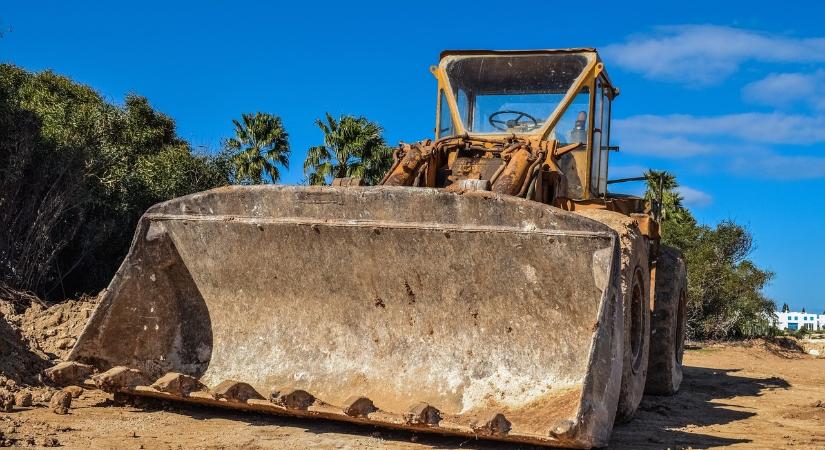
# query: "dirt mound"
[[782, 346], [54, 329], [20, 361], [33, 335]]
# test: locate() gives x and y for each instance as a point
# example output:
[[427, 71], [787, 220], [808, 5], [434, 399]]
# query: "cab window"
[[601, 137], [445, 121]]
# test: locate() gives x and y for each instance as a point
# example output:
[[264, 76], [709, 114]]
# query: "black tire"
[[636, 303], [667, 340], [635, 299]]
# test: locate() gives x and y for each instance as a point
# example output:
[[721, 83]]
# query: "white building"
[[793, 321]]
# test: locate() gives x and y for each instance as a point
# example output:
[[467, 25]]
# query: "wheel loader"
[[489, 286]]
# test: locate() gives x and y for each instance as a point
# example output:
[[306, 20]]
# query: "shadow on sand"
[[699, 402]]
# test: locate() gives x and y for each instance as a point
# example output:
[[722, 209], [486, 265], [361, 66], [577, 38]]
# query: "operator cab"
[[543, 95]]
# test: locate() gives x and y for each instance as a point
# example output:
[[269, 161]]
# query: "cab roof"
[[518, 52], [556, 51]]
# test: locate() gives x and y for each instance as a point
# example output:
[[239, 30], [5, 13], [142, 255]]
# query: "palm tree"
[[353, 147], [662, 192], [259, 146]]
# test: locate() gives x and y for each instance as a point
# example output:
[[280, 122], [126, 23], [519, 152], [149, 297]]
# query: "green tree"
[[663, 194], [353, 147], [725, 298], [785, 308], [76, 173], [259, 146]]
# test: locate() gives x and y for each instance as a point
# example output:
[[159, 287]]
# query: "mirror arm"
[[566, 149]]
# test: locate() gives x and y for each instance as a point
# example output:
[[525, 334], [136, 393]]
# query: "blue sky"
[[724, 94]]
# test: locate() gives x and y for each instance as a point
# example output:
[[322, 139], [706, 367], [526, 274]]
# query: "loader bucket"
[[463, 313]]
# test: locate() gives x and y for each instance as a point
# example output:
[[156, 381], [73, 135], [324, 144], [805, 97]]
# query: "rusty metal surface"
[[577, 164], [510, 164], [473, 303]]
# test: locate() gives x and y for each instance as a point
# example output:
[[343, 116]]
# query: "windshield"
[[511, 93]]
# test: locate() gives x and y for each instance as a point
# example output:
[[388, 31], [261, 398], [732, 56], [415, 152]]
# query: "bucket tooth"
[[69, 372], [563, 429], [423, 414], [178, 384], [292, 398], [120, 377], [497, 425], [204, 394], [262, 404], [358, 406], [236, 391]]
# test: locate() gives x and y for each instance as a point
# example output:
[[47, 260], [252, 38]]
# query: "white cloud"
[[781, 167], [784, 89], [706, 54], [683, 134], [663, 146], [745, 144], [694, 197], [756, 144]]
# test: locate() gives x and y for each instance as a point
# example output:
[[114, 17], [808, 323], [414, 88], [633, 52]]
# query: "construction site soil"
[[756, 394]]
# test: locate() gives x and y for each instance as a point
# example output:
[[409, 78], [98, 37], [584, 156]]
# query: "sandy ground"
[[754, 396]]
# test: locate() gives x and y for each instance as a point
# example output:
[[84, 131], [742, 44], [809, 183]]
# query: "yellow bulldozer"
[[491, 286]]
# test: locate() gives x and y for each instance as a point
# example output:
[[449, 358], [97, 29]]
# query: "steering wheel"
[[506, 125]]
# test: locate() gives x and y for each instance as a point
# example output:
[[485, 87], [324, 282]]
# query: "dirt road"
[[756, 396]]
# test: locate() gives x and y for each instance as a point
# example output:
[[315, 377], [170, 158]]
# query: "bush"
[[76, 173], [725, 298], [801, 333]]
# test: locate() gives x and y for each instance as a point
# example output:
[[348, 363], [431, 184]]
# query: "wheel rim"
[[678, 337], [637, 325]]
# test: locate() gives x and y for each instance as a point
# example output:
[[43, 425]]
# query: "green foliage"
[[353, 147], [786, 308], [725, 298], [664, 197], [801, 333], [259, 146], [76, 173], [176, 169]]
